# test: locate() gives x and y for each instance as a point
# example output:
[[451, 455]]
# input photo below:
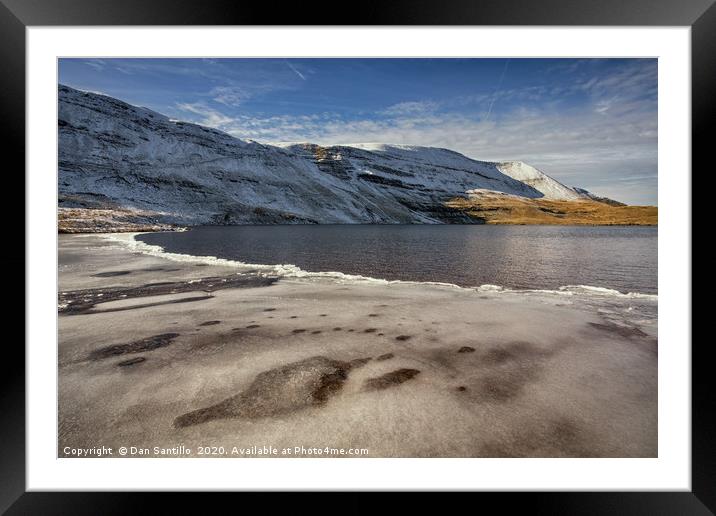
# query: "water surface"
[[523, 257]]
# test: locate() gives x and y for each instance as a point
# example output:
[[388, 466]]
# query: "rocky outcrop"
[[112, 220]]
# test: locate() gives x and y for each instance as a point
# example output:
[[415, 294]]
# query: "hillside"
[[150, 170], [491, 208]]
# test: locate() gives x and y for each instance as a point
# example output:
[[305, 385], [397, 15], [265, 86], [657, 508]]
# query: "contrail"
[[494, 95], [294, 69]]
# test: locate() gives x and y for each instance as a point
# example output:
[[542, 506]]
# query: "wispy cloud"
[[97, 64], [410, 108], [229, 95], [295, 70], [205, 115], [497, 89], [224, 81]]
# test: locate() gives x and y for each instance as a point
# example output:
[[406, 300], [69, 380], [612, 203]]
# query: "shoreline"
[[401, 369], [290, 270], [171, 228]]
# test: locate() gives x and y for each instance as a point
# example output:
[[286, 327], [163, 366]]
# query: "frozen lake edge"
[[296, 363]]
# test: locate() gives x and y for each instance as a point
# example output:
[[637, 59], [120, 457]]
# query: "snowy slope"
[[552, 189], [114, 154]]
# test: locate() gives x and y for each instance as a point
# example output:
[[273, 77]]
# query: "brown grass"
[[500, 209]]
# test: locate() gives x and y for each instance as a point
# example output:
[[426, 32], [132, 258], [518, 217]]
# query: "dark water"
[[542, 257]]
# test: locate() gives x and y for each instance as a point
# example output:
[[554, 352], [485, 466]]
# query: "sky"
[[590, 123]]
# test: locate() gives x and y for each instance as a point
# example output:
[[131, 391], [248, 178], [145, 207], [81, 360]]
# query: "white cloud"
[[229, 95], [410, 108], [206, 115]]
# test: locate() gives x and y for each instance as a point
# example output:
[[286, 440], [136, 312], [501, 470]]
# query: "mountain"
[[113, 155], [551, 189]]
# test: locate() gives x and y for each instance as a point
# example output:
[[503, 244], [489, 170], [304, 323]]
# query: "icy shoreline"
[[162, 352], [129, 241]]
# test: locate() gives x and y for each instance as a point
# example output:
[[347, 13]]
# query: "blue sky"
[[587, 122]]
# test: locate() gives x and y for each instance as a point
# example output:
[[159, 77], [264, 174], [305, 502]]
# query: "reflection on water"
[[525, 257]]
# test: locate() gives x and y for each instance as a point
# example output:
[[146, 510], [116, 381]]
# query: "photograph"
[[349, 257]]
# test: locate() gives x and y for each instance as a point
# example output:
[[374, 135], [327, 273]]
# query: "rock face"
[[113, 154]]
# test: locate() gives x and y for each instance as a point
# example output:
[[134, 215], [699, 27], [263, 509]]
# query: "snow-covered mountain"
[[538, 180], [113, 154]]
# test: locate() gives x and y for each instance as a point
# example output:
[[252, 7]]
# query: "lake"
[[521, 257]]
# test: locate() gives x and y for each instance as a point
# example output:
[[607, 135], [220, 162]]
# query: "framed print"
[[438, 250]]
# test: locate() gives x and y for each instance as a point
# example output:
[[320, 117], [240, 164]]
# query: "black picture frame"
[[16, 15]]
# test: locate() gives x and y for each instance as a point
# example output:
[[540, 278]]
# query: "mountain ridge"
[[116, 155]]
